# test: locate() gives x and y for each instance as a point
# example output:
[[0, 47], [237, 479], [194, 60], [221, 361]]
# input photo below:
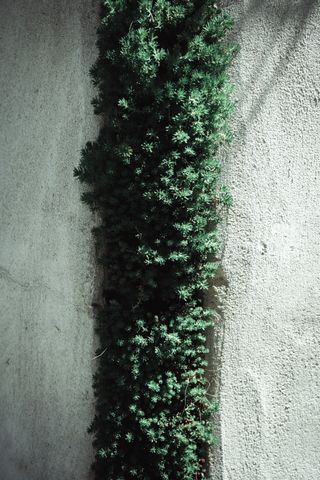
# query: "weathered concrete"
[[46, 270], [269, 285], [269, 392]]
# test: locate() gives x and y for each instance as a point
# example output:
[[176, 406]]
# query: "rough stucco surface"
[[269, 287], [46, 268], [269, 379]]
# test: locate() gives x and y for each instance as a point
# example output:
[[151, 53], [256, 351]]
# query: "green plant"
[[154, 178]]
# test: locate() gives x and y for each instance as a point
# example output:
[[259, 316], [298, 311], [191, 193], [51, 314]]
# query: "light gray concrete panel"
[[269, 380], [46, 252]]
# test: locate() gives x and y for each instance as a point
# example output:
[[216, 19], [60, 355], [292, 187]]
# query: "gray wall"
[[267, 341], [269, 392], [46, 268]]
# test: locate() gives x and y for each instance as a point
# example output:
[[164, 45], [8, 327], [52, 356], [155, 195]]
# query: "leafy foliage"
[[153, 173]]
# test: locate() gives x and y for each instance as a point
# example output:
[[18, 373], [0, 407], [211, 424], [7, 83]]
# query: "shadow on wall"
[[283, 28], [269, 33]]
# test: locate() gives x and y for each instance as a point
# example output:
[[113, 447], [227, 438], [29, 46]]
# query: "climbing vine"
[[153, 172]]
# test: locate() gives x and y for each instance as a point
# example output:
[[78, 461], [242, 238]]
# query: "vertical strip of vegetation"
[[153, 173]]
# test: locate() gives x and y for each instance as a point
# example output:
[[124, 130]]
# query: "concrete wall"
[[268, 338], [270, 288], [46, 268]]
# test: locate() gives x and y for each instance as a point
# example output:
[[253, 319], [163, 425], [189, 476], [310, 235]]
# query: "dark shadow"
[[215, 338]]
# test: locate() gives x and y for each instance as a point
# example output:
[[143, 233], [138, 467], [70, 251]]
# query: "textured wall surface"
[[46, 269], [269, 381], [269, 287]]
